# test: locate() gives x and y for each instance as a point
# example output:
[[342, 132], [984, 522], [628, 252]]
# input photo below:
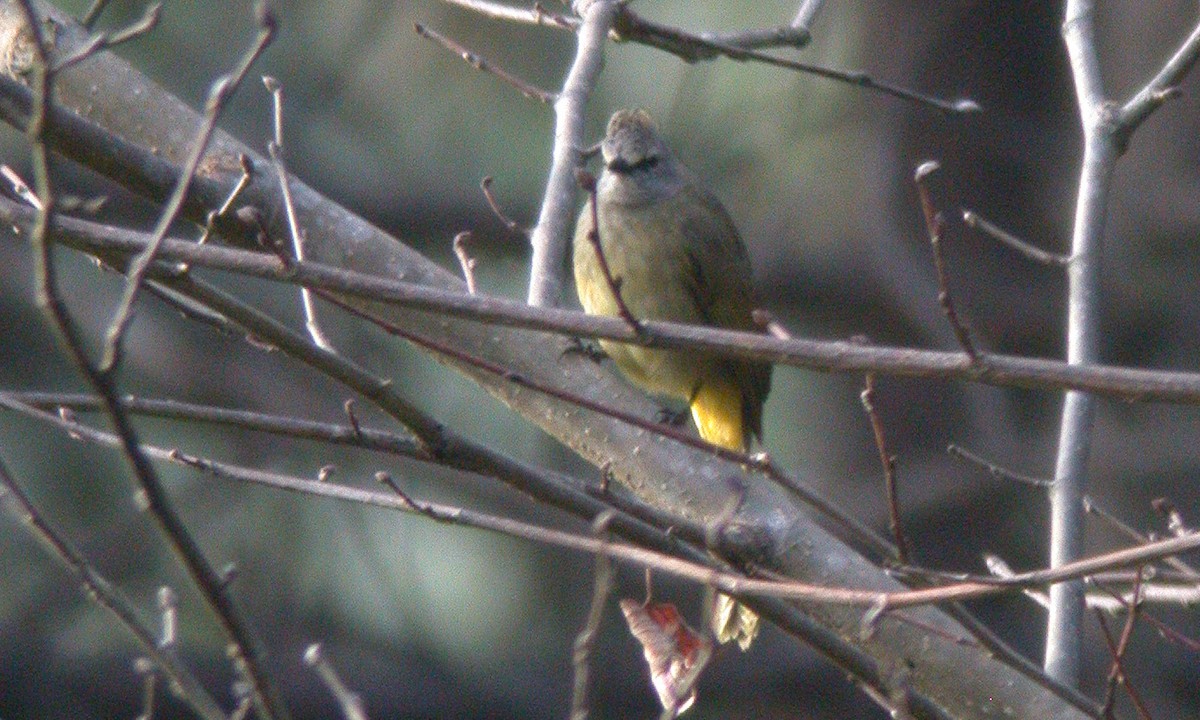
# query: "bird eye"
[[622, 166], [646, 163]]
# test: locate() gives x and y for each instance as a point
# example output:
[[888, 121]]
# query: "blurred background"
[[425, 620]]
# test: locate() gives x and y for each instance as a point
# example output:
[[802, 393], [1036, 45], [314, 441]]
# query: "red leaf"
[[675, 653]]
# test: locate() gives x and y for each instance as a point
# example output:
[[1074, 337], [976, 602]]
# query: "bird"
[[672, 253]]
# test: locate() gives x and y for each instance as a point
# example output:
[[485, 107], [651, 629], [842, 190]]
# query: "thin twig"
[[512, 225], [242, 183], [349, 701], [690, 47], [731, 583], [465, 261], [1117, 674], [90, 17], [936, 225], [1171, 588], [144, 667], [168, 604], [109, 598], [1161, 88], [976, 222], [1175, 522], [995, 470], [888, 461], [1093, 508], [275, 150], [726, 582], [218, 97], [588, 182], [586, 639], [807, 14], [766, 322], [457, 452], [20, 188], [537, 15], [1172, 635], [1123, 384], [477, 62], [856, 531], [108, 40], [151, 492]]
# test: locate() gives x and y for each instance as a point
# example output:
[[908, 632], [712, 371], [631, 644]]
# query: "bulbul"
[[674, 254]]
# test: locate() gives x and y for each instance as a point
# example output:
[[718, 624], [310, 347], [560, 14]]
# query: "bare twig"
[[20, 188], [90, 17], [168, 604], [888, 460], [586, 638], [1117, 650], [1124, 384], [275, 150], [105, 41], [151, 493], [1116, 674], [1091, 507], [465, 261], [690, 47], [144, 667], [220, 93], [349, 701], [1108, 600], [588, 182], [974, 221], [768, 324], [936, 225], [807, 14], [109, 598], [477, 62], [856, 531], [1175, 522], [995, 470], [736, 45], [537, 15], [1160, 88], [732, 583], [512, 225]]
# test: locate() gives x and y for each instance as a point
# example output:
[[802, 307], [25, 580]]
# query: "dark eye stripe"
[[622, 167]]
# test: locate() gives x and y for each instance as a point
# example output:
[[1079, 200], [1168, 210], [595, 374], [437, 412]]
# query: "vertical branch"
[[1064, 624], [586, 639], [549, 238]]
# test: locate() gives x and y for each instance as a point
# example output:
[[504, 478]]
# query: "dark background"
[[430, 621]]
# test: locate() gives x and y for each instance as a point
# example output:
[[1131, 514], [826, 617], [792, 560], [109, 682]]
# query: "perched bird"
[[673, 254]]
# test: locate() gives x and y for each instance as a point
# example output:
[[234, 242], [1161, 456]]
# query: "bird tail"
[[717, 408]]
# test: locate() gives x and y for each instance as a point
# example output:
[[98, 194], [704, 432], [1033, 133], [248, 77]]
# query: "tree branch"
[[551, 235]]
